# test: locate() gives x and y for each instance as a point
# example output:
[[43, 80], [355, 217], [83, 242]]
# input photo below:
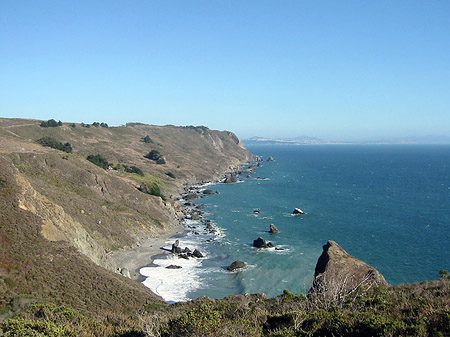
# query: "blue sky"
[[329, 69]]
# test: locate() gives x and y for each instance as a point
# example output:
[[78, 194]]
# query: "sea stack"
[[338, 274], [273, 229], [297, 211]]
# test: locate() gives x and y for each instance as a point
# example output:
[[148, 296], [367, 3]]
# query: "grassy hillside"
[[61, 217]]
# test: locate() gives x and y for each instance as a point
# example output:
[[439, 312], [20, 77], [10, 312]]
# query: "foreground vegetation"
[[408, 310]]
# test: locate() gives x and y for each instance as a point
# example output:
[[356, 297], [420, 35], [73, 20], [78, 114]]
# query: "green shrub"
[[54, 144], [98, 160], [161, 161], [171, 175], [202, 320], [50, 123], [152, 189], [133, 169]]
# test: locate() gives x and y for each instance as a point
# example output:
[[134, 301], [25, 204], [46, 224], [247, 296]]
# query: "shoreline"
[[130, 261], [134, 259]]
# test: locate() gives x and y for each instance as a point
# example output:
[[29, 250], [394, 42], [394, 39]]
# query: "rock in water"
[[208, 192], [338, 274], [270, 159], [297, 211], [172, 266], [175, 247], [197, 253], [261, 243], [273, 229], [237, 265]]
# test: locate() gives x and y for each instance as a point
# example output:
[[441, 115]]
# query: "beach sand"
[[135, 258]]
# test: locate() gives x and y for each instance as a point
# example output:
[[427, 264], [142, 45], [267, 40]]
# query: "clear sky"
[[328, 69]]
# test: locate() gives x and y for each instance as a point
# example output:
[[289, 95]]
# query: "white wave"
[[173, 284]]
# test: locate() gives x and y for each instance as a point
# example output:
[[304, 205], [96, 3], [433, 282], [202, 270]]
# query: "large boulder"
[[270, 159], [261, 243], [208, 192], [236, 265], [231, 178], [197, 253], [338, 274]]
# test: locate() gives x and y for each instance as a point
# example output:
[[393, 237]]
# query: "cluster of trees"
[[54, 144], [133, 169], [50, 123], [98, 160], [156, 156], [102, 124]]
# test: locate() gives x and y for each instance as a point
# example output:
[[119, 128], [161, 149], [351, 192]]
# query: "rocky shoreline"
[[130, 261]]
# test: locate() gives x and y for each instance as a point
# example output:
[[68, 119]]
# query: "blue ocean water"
[[388, 205]]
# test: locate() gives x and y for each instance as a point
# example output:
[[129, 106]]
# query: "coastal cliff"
[[65, 219], [95, 210]]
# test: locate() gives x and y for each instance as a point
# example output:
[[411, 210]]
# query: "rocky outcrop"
[[338, 274], [273, 229], [297, 211], [236, 265], [270, 159], [261, 243], [231, 178]]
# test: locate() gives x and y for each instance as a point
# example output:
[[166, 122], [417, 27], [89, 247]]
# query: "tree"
[[98, 160]]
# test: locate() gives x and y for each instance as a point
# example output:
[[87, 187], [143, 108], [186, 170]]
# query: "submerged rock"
[[236, 265], [208, 192]]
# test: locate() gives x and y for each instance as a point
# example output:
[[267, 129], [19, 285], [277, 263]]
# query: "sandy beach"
[[135, 258]]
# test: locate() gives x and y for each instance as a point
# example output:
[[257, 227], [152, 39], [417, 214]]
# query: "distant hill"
[[71, 194], [282, 141], [312, 140]]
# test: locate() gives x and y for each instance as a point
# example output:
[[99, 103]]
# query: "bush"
[[147, 139], [54, 144], [50, 123], [133, 169], [98, 160], [152, 189], [161, 161], [153, 155], [171, 175]]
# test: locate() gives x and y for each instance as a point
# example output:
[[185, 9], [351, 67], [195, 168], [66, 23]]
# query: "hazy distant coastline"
[[304, 140]]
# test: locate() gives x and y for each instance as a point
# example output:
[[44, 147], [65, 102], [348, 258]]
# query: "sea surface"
[[388, 205]]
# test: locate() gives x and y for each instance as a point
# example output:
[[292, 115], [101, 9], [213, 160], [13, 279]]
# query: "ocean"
[[388, 205]]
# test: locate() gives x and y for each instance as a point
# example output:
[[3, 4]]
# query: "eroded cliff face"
[[100, 211], [338, 274]]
